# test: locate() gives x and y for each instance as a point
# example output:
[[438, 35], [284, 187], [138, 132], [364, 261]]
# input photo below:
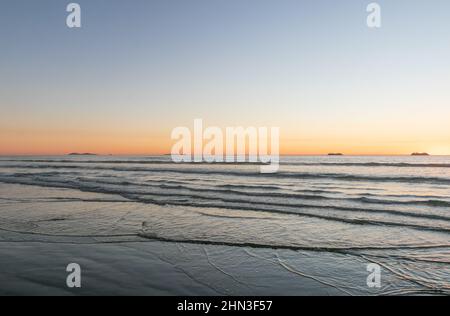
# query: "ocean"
[[320, 218]]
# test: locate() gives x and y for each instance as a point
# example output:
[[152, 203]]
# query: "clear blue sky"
[[136, 69]]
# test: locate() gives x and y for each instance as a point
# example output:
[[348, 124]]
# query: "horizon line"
[[150, 154]]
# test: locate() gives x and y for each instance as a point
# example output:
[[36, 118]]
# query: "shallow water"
[[394, 211]]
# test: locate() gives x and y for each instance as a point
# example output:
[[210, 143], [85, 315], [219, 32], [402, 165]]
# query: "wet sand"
[[158, 268]]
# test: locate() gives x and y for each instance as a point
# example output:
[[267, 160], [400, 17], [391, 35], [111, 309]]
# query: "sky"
[[137, 69]]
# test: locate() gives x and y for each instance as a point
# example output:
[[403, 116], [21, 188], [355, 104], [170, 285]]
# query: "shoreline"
[[44, 229]]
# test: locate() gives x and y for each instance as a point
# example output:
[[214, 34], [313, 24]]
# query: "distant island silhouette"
[[81, 154], [335, 154], [420, 154]]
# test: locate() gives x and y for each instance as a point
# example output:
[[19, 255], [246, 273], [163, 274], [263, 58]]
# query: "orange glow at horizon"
[[31, 143]]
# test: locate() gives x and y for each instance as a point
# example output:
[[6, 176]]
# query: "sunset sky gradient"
[[137, 69]]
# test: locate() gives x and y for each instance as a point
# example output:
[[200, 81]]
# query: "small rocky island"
[[420, 154], [81, 154], [335, 154]]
